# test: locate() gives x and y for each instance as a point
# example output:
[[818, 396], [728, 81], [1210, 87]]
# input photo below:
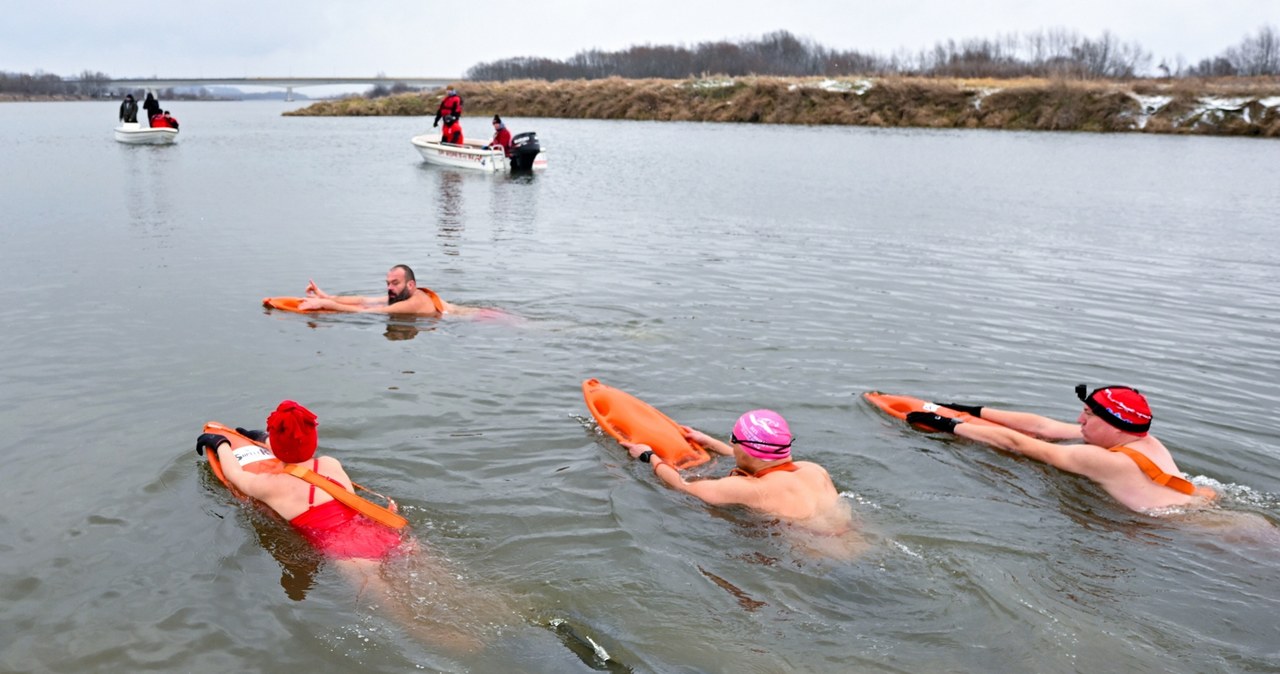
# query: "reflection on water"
[[449, 214], [401, 331], [146, 178]]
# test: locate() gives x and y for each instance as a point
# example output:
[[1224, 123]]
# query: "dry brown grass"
[[1024, 103]]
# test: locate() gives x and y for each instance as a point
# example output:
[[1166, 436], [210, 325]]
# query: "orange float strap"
[[630, 419], [899, 407], [787, 467], [1153, 471], [435, 299], [358, 503]]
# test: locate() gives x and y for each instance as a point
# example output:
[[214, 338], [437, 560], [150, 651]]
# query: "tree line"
[[88, 83], [1047, 53]]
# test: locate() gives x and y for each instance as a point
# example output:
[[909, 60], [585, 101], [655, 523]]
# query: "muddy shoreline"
[[1238, 107]]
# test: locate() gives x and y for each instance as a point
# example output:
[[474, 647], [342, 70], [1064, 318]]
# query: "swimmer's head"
[[400, 284], [1123, 408], [763, 434], [292, 429]]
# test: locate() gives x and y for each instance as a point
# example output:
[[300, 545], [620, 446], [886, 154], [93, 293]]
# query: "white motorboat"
[[136, 134], [526, 154]]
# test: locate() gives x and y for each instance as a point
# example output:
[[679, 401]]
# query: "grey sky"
[[234, 38]]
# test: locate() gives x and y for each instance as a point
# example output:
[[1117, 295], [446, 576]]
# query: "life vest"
[[1151, 470], [787, 467], [452, 133], [435, 299], [451, 105]]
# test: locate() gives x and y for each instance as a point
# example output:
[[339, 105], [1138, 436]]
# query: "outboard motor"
[[524, 148]]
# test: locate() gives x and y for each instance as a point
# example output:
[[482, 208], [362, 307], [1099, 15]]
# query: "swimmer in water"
[[404, 297], [1118, 453], [765, 479], [355, 544]]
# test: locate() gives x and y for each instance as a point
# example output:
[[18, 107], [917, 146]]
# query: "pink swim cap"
[[763, 434]]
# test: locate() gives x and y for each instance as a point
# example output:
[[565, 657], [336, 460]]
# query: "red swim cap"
[[292, 429], [1120, 406]]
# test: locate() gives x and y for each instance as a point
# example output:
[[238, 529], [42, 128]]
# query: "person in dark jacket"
[[501, 136], [452, 132], [152, 106], [129, 110], [451, 105]]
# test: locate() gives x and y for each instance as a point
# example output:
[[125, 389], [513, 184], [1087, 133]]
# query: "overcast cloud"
[[239, 38]]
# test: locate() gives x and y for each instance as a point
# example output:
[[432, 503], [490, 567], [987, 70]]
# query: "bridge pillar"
[[288, 94]]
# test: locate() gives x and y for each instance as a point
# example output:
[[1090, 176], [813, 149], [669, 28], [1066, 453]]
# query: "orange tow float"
[[630, 419], [289, 304], [899, 407]]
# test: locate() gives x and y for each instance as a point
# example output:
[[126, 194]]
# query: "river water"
[[709, 269]]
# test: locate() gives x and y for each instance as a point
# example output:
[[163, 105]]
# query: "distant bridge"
[[287, 83]]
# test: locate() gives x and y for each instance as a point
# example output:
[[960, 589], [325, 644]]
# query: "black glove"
[[209, 441], [932, 422], [437, 122], [256, 436], [973, 410]]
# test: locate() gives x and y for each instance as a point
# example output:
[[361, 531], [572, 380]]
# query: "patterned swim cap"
[[763, 434], [1120, 406]]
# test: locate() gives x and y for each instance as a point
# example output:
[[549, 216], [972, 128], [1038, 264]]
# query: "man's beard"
[[405, 294]]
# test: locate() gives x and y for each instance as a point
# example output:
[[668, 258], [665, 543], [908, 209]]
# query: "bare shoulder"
[[812, 469], [332, 467], [1090, 460], [418, 303]]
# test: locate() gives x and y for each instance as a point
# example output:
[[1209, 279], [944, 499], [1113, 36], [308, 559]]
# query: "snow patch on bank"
[[981, 95], [719, 83], [856, 87], [1149, 105]]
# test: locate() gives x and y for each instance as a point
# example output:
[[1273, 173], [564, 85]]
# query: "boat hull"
[[133, 133], [469, 157]]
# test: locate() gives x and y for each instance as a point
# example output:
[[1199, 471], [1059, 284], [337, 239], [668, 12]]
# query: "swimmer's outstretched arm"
[[724, 491], [708, 442], [314, 291], [1092, 462], [1033, 424], [348, 304], [1023, 422], [1087, 460]]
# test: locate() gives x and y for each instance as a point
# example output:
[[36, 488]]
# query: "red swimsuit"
[[340, 532]]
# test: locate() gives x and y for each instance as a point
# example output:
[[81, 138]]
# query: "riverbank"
[[1235, 106]]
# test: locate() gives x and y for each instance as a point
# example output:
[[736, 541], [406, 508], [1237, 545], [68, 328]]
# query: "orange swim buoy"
[[630, 419], [899, 407], [289, 304]]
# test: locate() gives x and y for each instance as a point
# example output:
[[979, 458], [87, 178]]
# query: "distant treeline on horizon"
[[1057, 52]]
